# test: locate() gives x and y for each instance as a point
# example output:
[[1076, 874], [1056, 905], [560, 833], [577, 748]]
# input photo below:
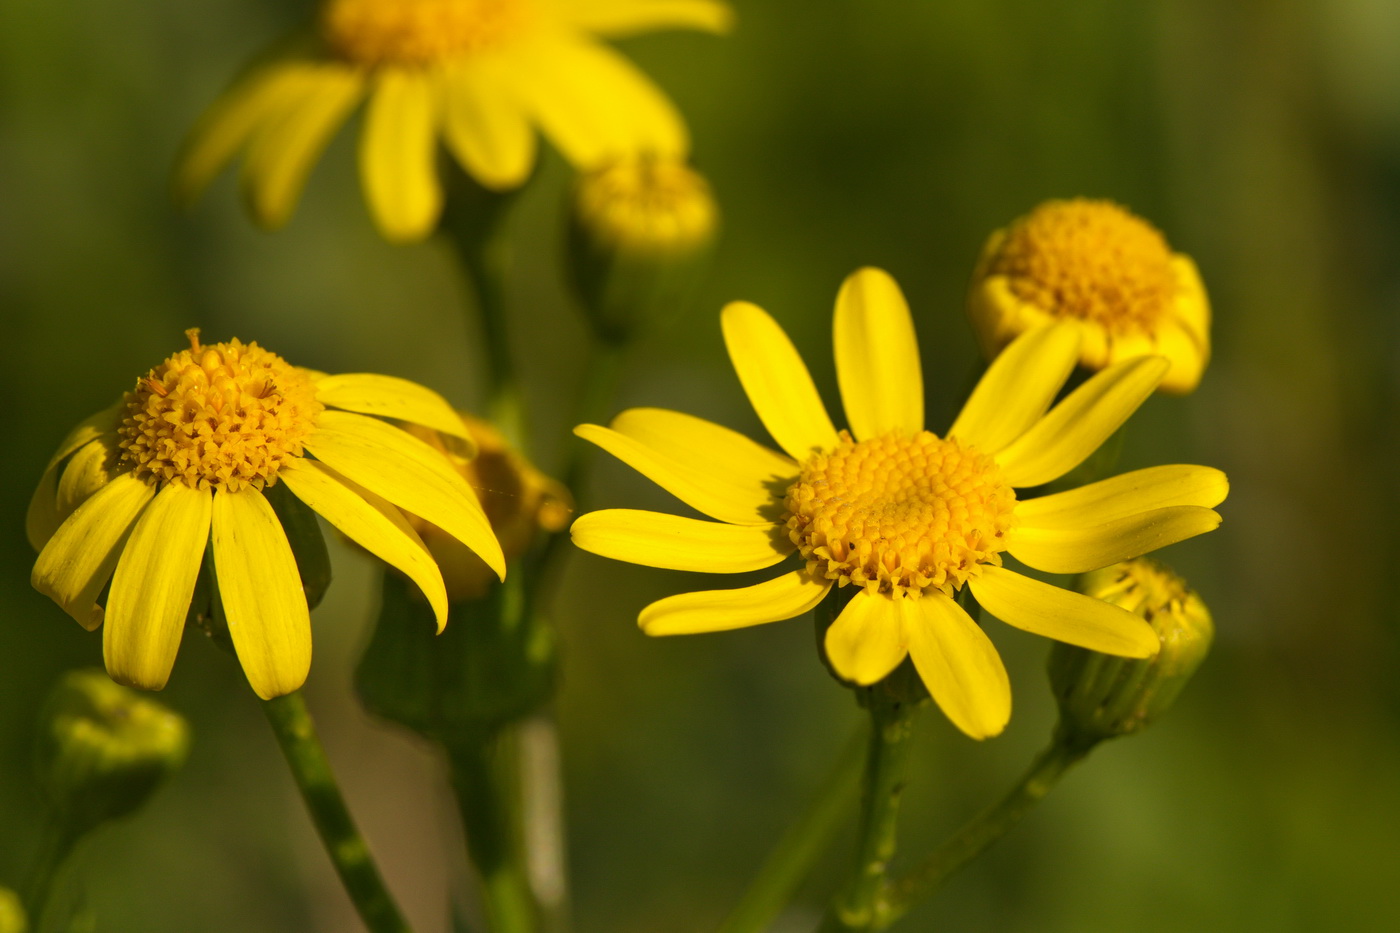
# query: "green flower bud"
[[639, 238], [11, 913], [103, 748], [1102, 696]]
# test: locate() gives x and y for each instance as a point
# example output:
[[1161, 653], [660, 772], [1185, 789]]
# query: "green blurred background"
[[1262, 137]]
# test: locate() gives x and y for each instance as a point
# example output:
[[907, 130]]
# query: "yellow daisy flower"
[[136, 493], [904, 514], [1105, 270], [480, 74]]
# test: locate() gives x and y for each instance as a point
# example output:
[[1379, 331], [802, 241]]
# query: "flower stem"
[[799, 848], [291, 723], [55, 845]]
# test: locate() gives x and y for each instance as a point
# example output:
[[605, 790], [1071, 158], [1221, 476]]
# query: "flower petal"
[[866, 641], [391, 397], [710, 468], [673, 542], [88, 470], [43, 517], [261, 592], [1018, 387], [152, 586], [783, 597], [958, 664], [398, 466], [1076, 427], [1126, 495], [776, 381], [398, 152], [370, 521], [619, 18], [487, 130], [79, 559], [1060, 614], [877, 357], [1079, 549]]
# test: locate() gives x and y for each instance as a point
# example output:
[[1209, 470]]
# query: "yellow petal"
[[151, 589], [80, 557], [783, 597], [1122, 496], [866, 641], [370, 521], [43, 517], [1062, 615], [261, 591], [311, 106], [619, 18], [487, 130], [958, 664], [776, 381], [1018, 387], [391, 397], [398, 153], [1076, 427], [710, 468], [672, 542], [1079, 549], [392, 463], [877, 357], [88, 470]]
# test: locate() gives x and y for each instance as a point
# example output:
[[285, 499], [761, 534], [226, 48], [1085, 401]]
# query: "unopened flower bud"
[[103, 748], [1102, 696], [11, 913]]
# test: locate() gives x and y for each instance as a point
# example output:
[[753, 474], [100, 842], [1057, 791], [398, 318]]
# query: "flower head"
[[1105, 270], [479, 74], [907, 516], [136, 493]]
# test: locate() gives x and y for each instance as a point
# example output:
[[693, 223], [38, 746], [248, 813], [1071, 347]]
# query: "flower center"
[[224, 416], [648, 204], [414, 32], [1141, 586], [1091, 260], [900, 514]]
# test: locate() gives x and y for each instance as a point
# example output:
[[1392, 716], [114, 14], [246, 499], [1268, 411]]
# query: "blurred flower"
[[906, 515], [136, 493], [518, 499], [482, 74], [1109, 272], [1101, 696], [12, 918]]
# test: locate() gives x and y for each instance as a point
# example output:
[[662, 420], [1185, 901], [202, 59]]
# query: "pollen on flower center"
[[224, 416], [414, 32], [1091, 260], [900, 514]]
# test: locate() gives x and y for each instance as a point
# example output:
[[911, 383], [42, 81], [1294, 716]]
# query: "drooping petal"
[[877, 357], [262, 595], [1081, 548], [866, 641], [673, 542], [619, 18], [783, 597], [43, 516], [152, 586], [776, 381], [487, 129], [1125, 495], [1076, 427], [391, 397], [710, 468], [1065, 616], [1018, 387], [396, 465], [88, 470], [79, 559], [370, 521], [958, 664], [398, 150]]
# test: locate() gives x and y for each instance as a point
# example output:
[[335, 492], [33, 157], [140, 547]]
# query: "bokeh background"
[[1262, 137]]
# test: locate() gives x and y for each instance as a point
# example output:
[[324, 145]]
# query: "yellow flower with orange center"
[[907, 516]]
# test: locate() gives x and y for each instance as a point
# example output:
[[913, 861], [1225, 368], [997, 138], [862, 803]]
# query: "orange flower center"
[[414, 32], [900, 514], [224, 416]]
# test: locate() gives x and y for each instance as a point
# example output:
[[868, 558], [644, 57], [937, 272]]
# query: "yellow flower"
[[646, 206], [1108, 272], [480, 74], [907, 516], [135, 494]]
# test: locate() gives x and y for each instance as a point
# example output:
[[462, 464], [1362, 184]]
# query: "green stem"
[[799, 848], [291, 723], [55, 845], [485, 776], [982, 830]]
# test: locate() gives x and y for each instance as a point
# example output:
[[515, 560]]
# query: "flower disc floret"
[[225, 416], [413, 32], [899, 514]]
